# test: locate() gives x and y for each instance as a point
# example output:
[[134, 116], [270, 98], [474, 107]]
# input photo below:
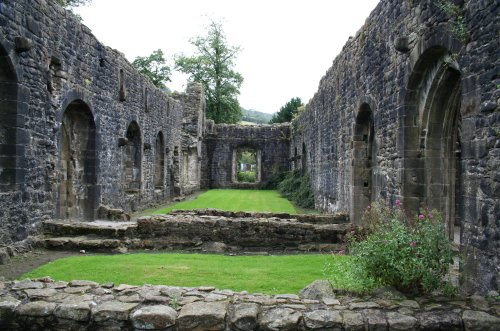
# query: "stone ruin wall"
[[372, 131], [45, 304], [271, 142], [364, 132], [56, 76]]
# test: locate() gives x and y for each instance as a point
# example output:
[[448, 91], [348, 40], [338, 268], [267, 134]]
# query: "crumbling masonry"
[[409, 110]]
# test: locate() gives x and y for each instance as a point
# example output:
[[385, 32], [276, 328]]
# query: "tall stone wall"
[[80, 127], [270, 142], [410, 110]]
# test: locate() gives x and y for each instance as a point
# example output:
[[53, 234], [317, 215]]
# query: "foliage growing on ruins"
[[154, 67], [287, 112], [246, 176], [212, 66], [456, 19], [296, 187], [73, 3], [410, 253], [344, 273]]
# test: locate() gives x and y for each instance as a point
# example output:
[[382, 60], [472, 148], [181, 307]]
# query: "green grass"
[[236, 200], [264, 274]]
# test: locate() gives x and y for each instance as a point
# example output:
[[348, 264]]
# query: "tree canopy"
[[73, 3], [154, 67], [287, 112], [212, 66]]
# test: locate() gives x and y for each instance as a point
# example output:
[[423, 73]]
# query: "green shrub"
[[246, 176], [344, 273], [411, 254], [296, 187], [273, 181]]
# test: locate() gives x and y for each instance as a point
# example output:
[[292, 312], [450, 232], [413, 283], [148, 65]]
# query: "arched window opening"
[[78, 163], [431, 124], [304, 158], [362, 162], [295, 158], [8, 123], [133, 159], [159, 161]]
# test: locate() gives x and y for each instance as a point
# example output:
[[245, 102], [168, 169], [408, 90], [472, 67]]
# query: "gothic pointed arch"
[[78, 163], [159, 161], [363, 158], [431, 150], [9, 123], [132, 159]]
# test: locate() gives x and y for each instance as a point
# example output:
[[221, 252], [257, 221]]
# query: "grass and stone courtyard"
[[372, 283], [266, 272], [386, 275], [270, 274]]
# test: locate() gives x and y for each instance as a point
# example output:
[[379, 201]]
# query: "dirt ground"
[[26, 262]]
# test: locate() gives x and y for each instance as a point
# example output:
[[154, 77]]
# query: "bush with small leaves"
[[410, 253]]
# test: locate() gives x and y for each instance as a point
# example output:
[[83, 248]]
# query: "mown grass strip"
[[264, 274], [235, 200]]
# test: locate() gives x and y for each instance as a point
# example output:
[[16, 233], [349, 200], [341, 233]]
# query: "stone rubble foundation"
[[45, 304]]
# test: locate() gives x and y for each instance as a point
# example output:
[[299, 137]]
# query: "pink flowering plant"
[[410, 253]]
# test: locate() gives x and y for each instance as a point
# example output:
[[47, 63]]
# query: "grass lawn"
[[264, 274], [236, 200]]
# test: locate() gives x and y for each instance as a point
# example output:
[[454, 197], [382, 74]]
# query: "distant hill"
[[254, 116]]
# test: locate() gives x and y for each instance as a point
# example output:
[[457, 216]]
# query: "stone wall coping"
[[310, 218]]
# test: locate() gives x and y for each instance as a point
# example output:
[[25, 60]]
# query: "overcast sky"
[[287, 45]]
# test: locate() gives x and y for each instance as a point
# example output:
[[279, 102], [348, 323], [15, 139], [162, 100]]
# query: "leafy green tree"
[[287, 111], [212, 66], [154, 67], [73, 3]]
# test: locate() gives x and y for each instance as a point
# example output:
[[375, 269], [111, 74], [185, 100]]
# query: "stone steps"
[[232, 233], [107, 229], [81, 243]]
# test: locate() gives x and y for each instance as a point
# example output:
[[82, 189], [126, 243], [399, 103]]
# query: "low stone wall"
[[236, 232], [45, 304], [307, 218]]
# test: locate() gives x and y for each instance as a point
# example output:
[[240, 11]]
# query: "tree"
[[73, 3], [287, 112], [154, 67], [212, 66]]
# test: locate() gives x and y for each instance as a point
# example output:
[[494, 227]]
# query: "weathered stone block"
[[399, 321], [153, 318], [319, 289], [478, 320], [243, 316], [202, 316], [36, 309], [353, 321], [112, 310], [280, 319], [78, 311], [323, 319]]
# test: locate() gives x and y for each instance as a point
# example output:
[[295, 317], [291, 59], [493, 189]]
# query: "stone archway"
[[78, 158], [132, 159], [362, 162], [431, 136], [159, 162], [8, 122]]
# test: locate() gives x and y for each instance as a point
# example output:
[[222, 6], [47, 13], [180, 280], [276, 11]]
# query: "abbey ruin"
[[409, 110]]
